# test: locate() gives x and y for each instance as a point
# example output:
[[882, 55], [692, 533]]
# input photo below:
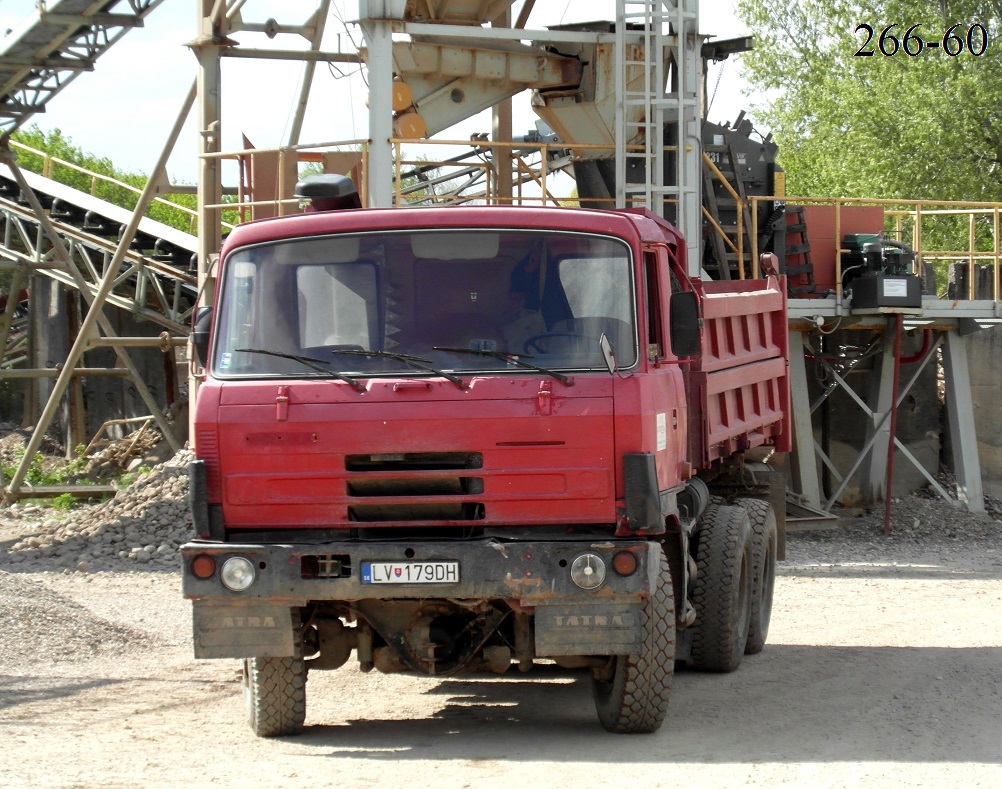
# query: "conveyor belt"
[[52, 46]]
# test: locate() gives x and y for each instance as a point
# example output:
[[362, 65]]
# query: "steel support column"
[[687, 49], [960, 422], [207, 48], [376, 22], [803, 466], [878, 428], [501, 121], [7, 318], [317, 23], [212, 27]]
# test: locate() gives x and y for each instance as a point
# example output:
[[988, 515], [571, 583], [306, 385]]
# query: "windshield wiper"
[[414, 361], [508, 357], [308, 361]]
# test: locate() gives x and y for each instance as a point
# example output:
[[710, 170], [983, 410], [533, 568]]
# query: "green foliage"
[[129, 477], [927, 126], [56, 145], [64, 502], [46, 470], [35, 474]]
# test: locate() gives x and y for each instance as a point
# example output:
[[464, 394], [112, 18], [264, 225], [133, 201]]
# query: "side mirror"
[[685, 324], [200, 334], [608, 353]]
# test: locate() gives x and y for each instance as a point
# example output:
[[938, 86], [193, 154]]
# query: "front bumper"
[[531, 576], [527, 573]]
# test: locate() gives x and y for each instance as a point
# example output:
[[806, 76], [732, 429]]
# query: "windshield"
[[439, 297]]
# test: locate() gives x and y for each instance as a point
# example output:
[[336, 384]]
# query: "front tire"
[[275, 695], [723, 590], [631, 697]]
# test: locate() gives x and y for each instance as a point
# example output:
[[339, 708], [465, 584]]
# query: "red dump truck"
[[477, 439]]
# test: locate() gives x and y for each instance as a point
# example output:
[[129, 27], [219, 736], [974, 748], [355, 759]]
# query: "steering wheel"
[[532, 344]]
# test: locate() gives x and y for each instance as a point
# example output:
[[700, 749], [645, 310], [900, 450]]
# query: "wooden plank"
[[50, 491]]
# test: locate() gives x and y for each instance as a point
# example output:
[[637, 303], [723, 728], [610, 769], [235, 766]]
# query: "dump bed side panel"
[[739, 385]]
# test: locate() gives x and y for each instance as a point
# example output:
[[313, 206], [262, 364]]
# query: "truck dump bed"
[[738, 386]]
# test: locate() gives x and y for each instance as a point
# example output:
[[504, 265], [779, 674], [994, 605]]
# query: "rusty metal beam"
[[52, 372]]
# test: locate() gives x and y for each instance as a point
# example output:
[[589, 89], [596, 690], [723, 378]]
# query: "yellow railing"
[[910, 222], [52, 164], [532, 182], [740, 207]]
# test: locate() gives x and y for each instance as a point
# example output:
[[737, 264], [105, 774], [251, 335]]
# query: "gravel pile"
[[143, 524], [924, 528]]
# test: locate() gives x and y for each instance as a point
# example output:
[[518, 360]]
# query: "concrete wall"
[[984, 354], [104, 397], [985, 360]]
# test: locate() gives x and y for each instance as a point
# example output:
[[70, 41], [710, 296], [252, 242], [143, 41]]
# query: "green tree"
[[924, 126]]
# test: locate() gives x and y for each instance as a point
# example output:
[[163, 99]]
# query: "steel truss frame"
[[95, 323], [145, 287], [109, 280], [887, 398]]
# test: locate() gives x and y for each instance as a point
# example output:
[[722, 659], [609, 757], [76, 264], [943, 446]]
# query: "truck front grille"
[[415, 486]]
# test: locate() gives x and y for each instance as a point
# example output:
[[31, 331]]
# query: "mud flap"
[[242, 631], [588, 629]]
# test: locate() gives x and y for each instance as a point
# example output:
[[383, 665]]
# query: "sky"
[[124, 109]]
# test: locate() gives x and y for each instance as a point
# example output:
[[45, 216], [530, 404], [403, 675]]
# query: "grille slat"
[[414, 486]]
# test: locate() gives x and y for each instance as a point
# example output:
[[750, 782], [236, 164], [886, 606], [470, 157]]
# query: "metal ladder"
[[799, 269], [644, 106]]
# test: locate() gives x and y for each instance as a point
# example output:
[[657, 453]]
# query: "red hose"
[[920, 355]]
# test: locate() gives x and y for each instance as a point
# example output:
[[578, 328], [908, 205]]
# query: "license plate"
[[410, 572]]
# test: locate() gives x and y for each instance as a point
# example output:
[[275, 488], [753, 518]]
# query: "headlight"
[[587, 571], [237, 574]]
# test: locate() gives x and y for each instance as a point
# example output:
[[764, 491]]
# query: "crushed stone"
[[144, 524]]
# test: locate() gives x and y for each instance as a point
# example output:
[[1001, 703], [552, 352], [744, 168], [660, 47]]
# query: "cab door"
[[667, 391]]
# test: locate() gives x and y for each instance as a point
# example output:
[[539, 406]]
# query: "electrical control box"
[[886, 290]]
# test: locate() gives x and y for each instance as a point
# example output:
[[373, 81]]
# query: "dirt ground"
[[884, 666]]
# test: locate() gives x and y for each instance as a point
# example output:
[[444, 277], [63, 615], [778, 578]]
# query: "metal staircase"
[[725, 194], [60, 40], [799, 269]]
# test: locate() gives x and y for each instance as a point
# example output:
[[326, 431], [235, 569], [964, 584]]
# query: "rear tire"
[[723, 590], [765, 539], [275, 695], [633, 697]]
